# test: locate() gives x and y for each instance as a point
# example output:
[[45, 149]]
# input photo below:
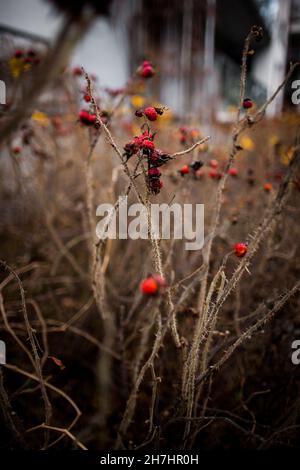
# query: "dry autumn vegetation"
[[141, 343]]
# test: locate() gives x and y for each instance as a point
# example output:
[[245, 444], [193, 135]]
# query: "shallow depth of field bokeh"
[[94, 359]]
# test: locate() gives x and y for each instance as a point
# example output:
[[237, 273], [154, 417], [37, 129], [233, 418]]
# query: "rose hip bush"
[[129, 343]]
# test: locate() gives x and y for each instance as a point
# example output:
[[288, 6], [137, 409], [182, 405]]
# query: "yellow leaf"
[[274, 140], [137, 101], [16, 66], [247, 143], [287, 155], [195, 133], [40, 118]]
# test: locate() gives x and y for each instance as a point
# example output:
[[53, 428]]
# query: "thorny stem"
[[38, 367], [263, 228], [110, 139], [53, 388], [9, 414], [282, 299], [192, 362], [161, 330], [243, 76], [190, 149]]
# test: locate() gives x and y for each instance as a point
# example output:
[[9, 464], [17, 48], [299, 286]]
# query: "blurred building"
[[271, 66], [196, 45]]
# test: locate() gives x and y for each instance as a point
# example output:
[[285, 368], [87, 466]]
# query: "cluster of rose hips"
[[150, 113], [156, 284], [27, 57], [214, 172], [191, 168], [154, 156], [217, 174], [195, 168], [146, 70], [153, 180], [144, 141]]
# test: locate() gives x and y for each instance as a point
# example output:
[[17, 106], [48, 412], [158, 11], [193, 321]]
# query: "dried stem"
[[37, 361]]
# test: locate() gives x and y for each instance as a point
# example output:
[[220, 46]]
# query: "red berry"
[[152, 285], [148, 144], [87, 98], [149, 286], [147, 71], [233, 172], [213, 163], [184, 170], [16, 150], [31, 53], [154, 172], [155, 185], [268, 187], [213, 174], [150, 113], [92, 118], [247, 103], [240, 249], [200, 173], [77, 71], [138, 140], [147, 134], [86, 118], [18, 53]]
